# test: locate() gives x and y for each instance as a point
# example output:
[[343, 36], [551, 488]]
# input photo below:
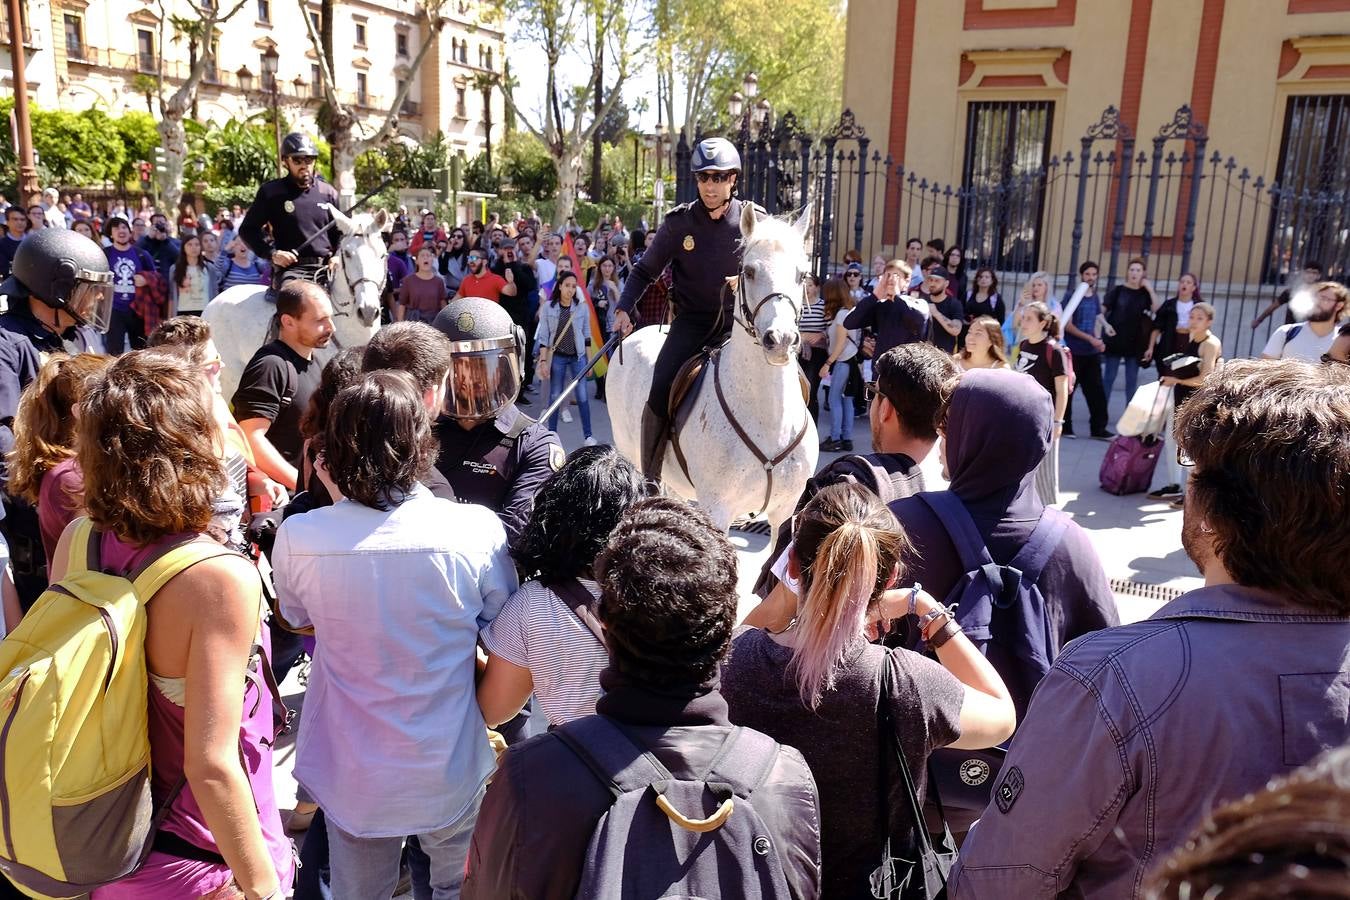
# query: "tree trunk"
[[597, 188], [487, 125], [174, 140], [568, 167], [344, 160]]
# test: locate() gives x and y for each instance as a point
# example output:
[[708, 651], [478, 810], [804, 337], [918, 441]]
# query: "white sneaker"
[[590, 442], [567, 416]]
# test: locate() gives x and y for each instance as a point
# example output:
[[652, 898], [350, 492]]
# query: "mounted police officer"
[[701, 243], [491, 452], [290, 207]]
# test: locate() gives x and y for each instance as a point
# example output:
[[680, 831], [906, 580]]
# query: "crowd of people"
[[527, 677]]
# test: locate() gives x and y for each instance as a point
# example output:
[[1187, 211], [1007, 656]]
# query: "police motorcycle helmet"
[[714, 155], [66, 271], [298, 144], [486, 347]]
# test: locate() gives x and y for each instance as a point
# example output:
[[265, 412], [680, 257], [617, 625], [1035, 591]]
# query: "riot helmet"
[[66, 271], [298, 144], [486, 347], [714, 155]]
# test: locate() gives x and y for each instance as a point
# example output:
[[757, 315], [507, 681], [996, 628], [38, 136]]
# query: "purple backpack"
[[670, 837]]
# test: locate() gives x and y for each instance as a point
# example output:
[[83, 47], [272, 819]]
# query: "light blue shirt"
[[392, 742]]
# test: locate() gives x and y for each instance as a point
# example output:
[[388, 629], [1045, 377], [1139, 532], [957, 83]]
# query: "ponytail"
[[832, 617], [1052, 326], [847, 545]]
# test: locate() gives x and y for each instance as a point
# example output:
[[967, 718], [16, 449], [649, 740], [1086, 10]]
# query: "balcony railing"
[[26, 35]]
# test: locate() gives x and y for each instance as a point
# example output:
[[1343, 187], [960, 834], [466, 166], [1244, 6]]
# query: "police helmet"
[[66, 271], [715, 155], [487, 347], [297, 144]]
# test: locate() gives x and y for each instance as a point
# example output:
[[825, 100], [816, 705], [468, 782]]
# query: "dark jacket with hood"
[[543, 803], [998, 430]]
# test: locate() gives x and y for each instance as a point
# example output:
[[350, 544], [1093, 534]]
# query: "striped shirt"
[[537, 631], [813, 318]]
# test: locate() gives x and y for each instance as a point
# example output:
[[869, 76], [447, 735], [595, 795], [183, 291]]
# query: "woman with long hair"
[[838, 366], [1171, 323], [604, 290], [454, 262], [1037, 289], [1040, 356], [984, 346], [984, 298], [953, 260], [814, 329], [560, 347], [817, 684], [43, 468], [538, 644], [193, 284], [340, 371], [149, 450]]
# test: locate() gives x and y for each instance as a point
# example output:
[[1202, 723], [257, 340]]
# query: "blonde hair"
[[1035, 277], [848, 546], [44, 427]]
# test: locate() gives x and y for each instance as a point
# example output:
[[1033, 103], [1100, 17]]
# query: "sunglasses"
[[714, 177], [473, 257], [853, 275]]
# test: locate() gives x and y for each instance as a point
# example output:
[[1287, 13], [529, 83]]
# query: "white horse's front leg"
[[721, 515]]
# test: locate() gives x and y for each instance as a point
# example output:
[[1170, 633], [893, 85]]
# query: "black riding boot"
[[653, 443]]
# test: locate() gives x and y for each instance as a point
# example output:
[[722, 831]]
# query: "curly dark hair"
[[667, 594], [147, 448], [574, 513], [1271, 445], [1290, 839], [379, 439], [340, 371], [185, 334]]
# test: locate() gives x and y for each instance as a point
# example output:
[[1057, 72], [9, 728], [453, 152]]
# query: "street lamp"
[[270, 60], [762, 113], [751, 85], [735, 103]]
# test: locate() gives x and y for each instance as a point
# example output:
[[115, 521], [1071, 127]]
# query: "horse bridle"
[[346, 310], [745, 317]]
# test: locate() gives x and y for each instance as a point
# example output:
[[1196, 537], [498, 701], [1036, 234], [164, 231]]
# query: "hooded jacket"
[[998, 430]]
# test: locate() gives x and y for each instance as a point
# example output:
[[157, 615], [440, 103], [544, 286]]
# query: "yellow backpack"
[[75, 804]]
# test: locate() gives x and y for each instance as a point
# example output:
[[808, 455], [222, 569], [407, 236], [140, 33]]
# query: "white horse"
[[241, 318], [765, 470]]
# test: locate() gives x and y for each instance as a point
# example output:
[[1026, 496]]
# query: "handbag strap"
[[891, 743], [579, 600]]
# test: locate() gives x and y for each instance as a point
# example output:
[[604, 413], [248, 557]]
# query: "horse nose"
[[775, 340]]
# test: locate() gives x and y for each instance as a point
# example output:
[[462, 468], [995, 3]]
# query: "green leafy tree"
[[525, 162], [138, 134], [479, 178]]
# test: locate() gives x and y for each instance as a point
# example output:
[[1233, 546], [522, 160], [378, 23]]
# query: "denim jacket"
[[550, 318], [1139, 731]]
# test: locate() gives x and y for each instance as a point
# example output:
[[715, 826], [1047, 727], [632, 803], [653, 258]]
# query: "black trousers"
[[1088, 372], [819, 356], [689, 333]]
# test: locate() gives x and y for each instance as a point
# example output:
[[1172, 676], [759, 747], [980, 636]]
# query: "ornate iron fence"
[[1178, 204]]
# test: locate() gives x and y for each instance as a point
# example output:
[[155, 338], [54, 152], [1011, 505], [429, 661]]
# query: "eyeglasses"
[[714, 177], [1328, 359]]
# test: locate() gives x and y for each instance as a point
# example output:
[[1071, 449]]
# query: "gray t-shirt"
[[840, 742]]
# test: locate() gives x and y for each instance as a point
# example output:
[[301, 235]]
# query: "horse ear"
[[804, 225], [747, 219], [343, 222]]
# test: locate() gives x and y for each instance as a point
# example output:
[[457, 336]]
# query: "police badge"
[[289, 206], [689, 242]]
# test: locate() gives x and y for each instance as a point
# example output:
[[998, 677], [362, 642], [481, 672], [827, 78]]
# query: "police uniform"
[[703, 253], [294, 214], [499, 464]]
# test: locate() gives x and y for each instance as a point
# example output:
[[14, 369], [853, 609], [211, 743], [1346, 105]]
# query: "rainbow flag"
[[597, 333]]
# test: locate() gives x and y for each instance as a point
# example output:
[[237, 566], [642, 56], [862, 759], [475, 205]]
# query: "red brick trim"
[[901, 77], [1202, 103], [967, 70], [1316, 73], [1061, 15], [1131, 88], [1010, 81], [1298, 7], [1061, 66], [1289, 57]]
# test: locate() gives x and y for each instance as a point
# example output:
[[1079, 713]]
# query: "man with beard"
[[1308, 340], [275, 388], [1138, 731], [290, 205], [482, 282]]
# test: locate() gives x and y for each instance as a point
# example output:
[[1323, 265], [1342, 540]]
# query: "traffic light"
[[145, 170]]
